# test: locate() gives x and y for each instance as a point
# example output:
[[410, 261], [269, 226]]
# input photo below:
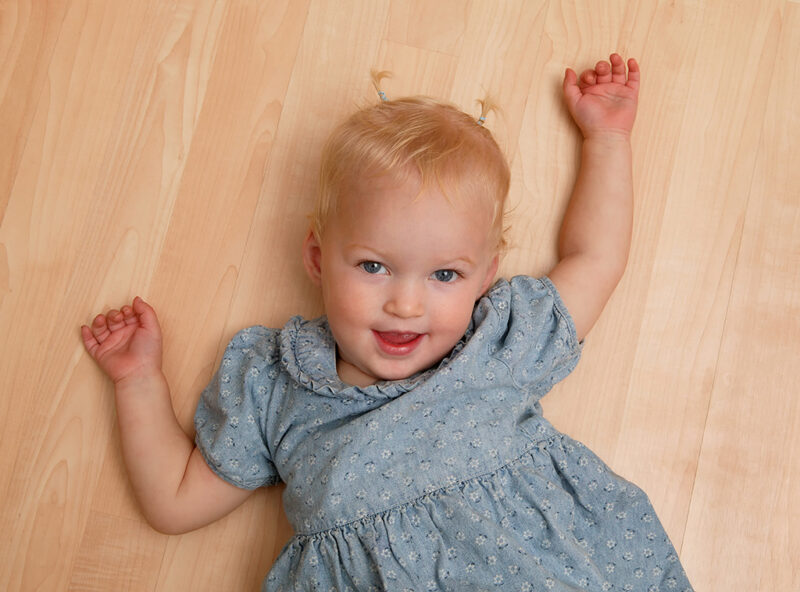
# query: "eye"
[[372, 267], [445, 275]]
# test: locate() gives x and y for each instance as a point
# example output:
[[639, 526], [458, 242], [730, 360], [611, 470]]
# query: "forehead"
[[404, 190], [403, 214]]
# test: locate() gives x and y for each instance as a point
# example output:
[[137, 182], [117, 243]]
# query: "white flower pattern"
[[454, 470]]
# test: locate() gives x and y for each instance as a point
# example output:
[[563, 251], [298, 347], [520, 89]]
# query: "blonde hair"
[[398, 137]]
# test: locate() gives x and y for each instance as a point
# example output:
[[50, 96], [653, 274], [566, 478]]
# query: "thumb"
[[572, 92], [147, 315]]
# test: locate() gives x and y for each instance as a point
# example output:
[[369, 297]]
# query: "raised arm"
[[595, 235], [176, 489]]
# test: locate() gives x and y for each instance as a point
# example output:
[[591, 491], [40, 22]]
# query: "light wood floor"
[[168, 149]]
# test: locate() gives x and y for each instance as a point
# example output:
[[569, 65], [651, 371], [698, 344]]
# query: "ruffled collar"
[[308, 354]]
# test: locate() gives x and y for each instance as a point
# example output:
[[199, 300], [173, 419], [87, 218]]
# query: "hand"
[[604, 99], [125, 343]]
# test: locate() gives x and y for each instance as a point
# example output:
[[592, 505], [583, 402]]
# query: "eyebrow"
[[466, 260], [380, 255]]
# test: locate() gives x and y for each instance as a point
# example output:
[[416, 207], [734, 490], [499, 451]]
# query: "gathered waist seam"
[[540, 445]]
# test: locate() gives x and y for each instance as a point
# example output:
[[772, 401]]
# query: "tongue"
[[398, 338]]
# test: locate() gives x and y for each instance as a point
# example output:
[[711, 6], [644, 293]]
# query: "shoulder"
[[246, 374], [524, 324], [255, 346], [523, 305], [294, 349], [256, 339], [524, 292]]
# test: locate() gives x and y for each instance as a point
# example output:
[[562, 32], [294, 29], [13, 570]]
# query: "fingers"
[[588, 78], [104, 324], [617, 69], [100, 328], [603, 72], [572, 91], [89, 340], [633, 74], [95, 335], [128, 315], [146, 314], [115, 320]]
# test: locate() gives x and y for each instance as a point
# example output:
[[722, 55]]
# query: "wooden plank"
[[744, 519], [677, 352], [117, 554], [54, 207]]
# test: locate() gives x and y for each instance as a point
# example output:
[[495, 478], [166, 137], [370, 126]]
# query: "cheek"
[[455, 313], [346, 299]]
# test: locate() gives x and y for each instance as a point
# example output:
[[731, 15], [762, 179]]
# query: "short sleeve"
[[231, 413], [532, 332]]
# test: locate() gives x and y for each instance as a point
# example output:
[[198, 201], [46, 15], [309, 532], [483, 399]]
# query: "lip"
[[397, 343]]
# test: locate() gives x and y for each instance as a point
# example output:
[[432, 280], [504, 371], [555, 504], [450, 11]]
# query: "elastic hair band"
[[481, 119]]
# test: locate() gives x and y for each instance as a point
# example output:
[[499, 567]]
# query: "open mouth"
[[396, 343]]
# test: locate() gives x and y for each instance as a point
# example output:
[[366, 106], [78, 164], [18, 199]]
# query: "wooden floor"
[[169, 149]]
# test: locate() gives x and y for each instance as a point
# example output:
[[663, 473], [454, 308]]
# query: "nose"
[[406, 300]]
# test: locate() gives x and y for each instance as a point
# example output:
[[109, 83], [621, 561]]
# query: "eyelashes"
[[373, 267], [445, 276]]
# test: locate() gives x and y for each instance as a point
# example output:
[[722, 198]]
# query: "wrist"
[[608, 136], [142, 378]]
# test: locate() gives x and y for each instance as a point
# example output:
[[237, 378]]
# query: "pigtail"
[[377, 76], [487, 105]]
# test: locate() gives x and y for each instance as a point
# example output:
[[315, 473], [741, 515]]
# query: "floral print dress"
[[449, 480]]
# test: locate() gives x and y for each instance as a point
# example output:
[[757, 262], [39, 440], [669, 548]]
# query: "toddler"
[[406, 422]]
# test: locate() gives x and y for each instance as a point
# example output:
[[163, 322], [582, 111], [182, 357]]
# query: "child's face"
[[399, 275]]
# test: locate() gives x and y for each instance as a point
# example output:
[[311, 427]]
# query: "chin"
[[402, 372], [396, 375]]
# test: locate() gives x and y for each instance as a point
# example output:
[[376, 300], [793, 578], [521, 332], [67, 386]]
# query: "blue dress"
[[448, 480]]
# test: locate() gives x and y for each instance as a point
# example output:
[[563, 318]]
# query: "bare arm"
[[595, 235], [176, 489]]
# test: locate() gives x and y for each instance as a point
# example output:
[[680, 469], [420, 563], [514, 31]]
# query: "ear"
[[490, 273], [312, 257]]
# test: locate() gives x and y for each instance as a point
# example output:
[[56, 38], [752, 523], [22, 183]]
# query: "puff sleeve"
[[531, 332], [231, 415]]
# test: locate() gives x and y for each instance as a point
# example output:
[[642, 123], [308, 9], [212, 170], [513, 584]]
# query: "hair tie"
[[382, 95], [481, 119]]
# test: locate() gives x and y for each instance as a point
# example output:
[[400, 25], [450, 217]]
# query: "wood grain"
[[168, 149]]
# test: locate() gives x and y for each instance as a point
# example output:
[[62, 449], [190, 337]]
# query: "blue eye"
[[372, 267], [445, 275]]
